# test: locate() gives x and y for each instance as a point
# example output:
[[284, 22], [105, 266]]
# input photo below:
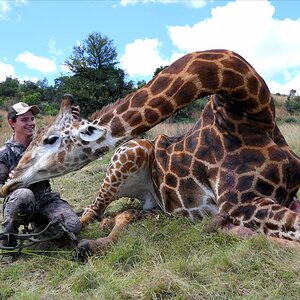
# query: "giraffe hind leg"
[[264, 215], [221, 221]]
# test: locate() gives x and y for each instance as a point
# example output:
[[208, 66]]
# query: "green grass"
[[169, 258]]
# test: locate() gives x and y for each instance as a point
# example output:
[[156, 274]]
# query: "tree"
[[140, 84], [9, 87], [97, 81], [96, 52], [292, 94], [33, 98], [158, 70], [28, 87]]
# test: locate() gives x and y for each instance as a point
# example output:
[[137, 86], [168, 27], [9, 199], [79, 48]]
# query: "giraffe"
[[234, 161]]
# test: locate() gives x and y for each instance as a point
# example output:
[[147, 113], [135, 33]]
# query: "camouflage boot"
[[18, 210]]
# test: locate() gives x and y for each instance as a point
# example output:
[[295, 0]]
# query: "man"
[[37, 203]]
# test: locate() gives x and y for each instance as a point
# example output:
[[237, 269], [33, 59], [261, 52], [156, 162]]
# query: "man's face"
[[24, 125]]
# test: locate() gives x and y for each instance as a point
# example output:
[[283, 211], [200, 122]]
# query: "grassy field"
[[158, 258]]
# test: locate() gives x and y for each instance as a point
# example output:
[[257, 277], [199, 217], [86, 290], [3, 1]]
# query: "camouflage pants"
[[23, 206]]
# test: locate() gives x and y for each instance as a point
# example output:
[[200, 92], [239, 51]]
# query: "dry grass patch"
[[169, 129], [291, 132], [279, 100]]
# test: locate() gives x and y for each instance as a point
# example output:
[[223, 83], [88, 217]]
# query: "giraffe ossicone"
[[234, 160]]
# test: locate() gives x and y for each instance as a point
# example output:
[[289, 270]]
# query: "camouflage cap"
[[21, 108]]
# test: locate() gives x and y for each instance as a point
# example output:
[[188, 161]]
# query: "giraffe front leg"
[[121, 221], [89, 215], [107, 194], [264, 215]]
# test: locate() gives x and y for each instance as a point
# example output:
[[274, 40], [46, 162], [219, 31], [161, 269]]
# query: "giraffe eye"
[[50, 140]]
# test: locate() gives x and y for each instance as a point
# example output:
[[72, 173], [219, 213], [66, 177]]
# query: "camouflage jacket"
[[10, 154]]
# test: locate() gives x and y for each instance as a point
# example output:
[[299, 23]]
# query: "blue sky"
[[36, 37]]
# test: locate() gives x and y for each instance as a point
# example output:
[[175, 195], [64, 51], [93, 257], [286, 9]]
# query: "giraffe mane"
[[38, 136], [109, 107]]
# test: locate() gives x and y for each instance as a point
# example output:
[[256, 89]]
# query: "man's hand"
[[1, 194], [76, 112], [11, 175]]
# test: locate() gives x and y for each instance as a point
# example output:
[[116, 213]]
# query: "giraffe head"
[[66, 145]]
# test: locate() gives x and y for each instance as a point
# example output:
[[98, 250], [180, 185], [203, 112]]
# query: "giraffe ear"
[[91, 133]]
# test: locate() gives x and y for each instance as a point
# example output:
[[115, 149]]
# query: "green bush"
[[293, 104], [291, 119], [33, 98], [191, 112], [288, 119], [49, 109], [2, 101]]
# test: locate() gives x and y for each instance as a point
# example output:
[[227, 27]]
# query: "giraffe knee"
[[88, 216], [125, 217], [85, 220], [107, 223]]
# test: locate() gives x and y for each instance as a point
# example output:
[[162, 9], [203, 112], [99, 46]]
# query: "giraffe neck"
[[193, 76]]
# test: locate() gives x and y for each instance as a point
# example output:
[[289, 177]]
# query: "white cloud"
[[52, 48], [42, 64], [128, 2], [271, 45], [142, 57], [64, 68], [196, 3], [247, 27], [4, 9], [191, 3], [6, 70], [284, 88], [19, 2], [27, 78]]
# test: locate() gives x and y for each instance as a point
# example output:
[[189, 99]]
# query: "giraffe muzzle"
[[11, 186]]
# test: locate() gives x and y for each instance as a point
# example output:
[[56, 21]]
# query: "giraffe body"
[[130, 175], [195, 193], [234, 160]]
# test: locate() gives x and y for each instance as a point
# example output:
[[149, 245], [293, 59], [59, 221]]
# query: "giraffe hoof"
[[84, 250], [216, 222], [85, 245]]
